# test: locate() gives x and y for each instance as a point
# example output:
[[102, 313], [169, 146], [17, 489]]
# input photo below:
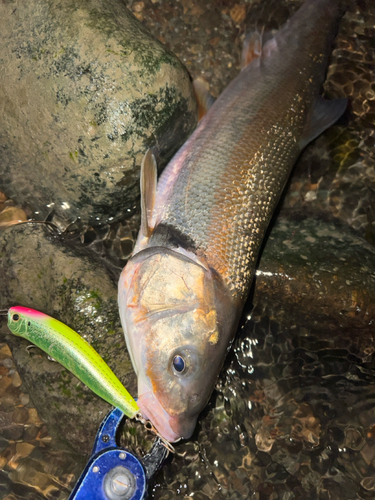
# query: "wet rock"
[[316, 271], [41, 273], [85, 92]]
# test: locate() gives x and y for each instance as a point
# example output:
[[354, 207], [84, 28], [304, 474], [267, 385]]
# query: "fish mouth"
[[170, 428]]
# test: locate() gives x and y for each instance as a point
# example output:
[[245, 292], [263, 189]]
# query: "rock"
[[84, 91], [318, 273], [39, 272]]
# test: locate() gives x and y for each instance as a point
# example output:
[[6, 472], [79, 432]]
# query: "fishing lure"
[[68, 348]]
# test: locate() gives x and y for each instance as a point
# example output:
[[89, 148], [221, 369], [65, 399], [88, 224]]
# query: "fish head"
[[177, 336]]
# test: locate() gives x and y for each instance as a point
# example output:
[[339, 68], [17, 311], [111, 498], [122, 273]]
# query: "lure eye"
[[179, 364], [15, 317]]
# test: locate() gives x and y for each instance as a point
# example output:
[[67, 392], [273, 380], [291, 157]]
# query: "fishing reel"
[[114, 473]]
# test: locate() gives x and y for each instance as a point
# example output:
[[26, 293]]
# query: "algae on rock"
[[39, 272], [84, 91]]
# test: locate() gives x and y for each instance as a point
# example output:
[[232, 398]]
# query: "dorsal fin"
[[148, 182], [204, 98], [324, 113]]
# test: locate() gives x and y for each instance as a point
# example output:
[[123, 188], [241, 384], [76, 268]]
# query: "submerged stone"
[[84, 91], [317, 272]]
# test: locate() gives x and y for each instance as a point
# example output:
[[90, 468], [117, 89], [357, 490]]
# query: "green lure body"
[[68, 348]]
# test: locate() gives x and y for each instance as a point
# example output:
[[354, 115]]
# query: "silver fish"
[[182, 292]]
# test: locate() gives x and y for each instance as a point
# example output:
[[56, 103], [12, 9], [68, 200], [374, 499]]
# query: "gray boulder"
[[84, 91], [318, 273]]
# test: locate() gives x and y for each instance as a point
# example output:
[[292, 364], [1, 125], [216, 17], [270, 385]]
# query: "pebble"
[[11, 215], [138, 6], [368, 483], [8, 363], [24, 399], [8, 401], [24, 449], [353, 439], [20, 415], [34, 417], [238, 13], [5, 383], [368, 453], [3, 443], [17, 382], [13, 432], [5, 351], [31, 432], [197, 48]]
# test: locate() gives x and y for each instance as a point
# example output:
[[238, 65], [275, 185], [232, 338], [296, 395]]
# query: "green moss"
[[66, 392], [144, 118], [73, 156], [59, 52], [134, 41]]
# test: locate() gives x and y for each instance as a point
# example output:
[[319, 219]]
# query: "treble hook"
[[150, 427]]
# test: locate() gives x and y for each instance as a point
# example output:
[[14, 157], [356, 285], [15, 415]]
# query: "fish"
[[182, 292], [72, 351]]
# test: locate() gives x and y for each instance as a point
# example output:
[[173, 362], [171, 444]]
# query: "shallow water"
[[293, 414], [293, 417]]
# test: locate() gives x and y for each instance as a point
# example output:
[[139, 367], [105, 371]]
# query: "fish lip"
[[152, 410], [171, 428]]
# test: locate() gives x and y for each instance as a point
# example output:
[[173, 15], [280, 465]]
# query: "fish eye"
[[184, 362], [15, 317], [179, 364]]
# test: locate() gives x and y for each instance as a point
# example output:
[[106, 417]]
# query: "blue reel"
[[113, 473]]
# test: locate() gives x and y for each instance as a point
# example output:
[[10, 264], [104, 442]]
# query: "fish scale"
[[225, 193], [203, 225]]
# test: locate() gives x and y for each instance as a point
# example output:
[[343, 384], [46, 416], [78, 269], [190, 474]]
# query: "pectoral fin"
[[148, 180], [252, 48], [324, 113], [257, 45], [203, 96]]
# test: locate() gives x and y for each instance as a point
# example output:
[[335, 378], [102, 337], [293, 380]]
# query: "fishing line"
[[149, 426], [52, 225]]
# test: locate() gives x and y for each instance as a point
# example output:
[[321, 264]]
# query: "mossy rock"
[[318, 273], [39, 272], [84, 91]]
